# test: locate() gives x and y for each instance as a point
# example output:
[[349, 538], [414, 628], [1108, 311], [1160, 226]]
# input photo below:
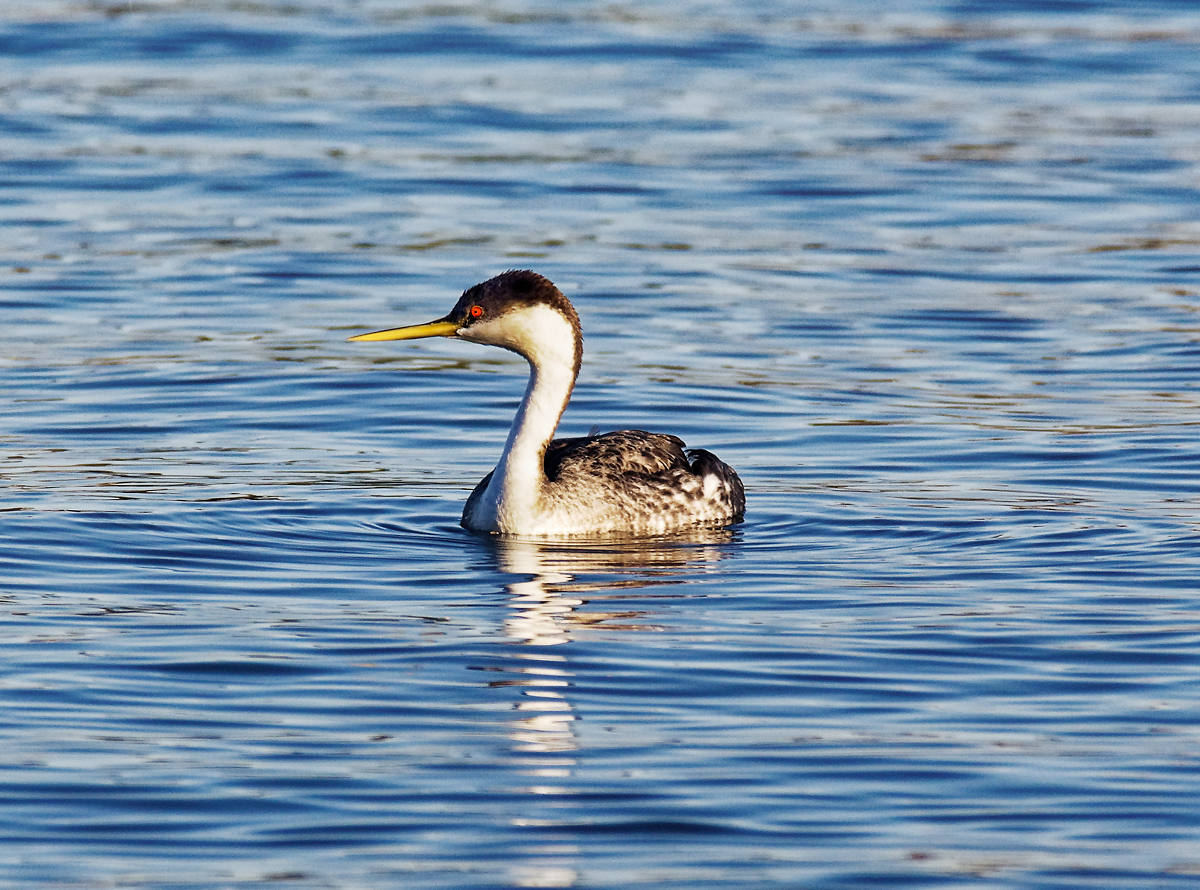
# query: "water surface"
[[929, 280]]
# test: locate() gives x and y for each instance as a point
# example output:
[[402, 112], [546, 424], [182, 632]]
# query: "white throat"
[[547, 340]]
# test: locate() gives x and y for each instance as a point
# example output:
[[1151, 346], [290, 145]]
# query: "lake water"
[[929, 279]]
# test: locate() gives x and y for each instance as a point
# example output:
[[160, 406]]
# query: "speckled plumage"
[[635, 482], [624, 482]]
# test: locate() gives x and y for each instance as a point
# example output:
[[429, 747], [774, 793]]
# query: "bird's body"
[[624, 482], [627, 481]]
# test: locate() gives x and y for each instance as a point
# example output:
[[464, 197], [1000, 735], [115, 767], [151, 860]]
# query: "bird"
[[627, 482]]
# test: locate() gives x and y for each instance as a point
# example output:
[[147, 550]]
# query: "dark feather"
[[616, 454]]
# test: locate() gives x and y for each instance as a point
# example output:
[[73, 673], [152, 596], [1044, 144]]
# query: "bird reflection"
[[545, 606], [559, 591]]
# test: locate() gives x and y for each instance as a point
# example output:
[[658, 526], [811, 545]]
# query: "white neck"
[[548, 342]]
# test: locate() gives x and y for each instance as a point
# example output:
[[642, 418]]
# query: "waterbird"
[[623, 482]]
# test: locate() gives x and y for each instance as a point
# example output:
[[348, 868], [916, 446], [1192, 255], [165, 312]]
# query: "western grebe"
[[628, 481]]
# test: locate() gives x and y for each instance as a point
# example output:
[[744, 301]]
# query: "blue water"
[[930, 279]]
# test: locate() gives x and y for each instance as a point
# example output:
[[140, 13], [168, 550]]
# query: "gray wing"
[[618, 453], [653, 471]]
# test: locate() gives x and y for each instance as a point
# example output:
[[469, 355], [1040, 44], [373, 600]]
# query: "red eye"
[[475, 311]]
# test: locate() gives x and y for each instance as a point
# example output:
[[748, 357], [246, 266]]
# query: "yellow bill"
[[443, 327]]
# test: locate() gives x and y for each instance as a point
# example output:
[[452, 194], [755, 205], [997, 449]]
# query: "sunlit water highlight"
[[929, 280]]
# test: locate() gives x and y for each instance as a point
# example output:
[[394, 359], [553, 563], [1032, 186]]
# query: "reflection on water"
[[548, 606], [551, 604]]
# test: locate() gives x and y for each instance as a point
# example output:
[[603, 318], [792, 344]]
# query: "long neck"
[[552, 350], [546, 398]]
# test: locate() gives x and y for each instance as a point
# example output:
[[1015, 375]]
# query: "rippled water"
[[928, 279]]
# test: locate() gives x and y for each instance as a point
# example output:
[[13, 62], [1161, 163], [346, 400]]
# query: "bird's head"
[[518, 310]]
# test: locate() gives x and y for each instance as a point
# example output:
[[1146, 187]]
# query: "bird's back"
[[642, 482], [616, 454]]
